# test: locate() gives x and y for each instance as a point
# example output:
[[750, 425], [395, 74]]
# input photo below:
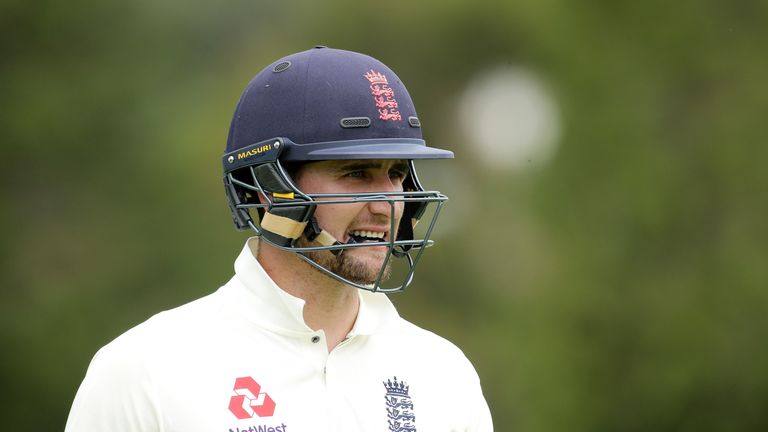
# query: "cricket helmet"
[[316, 105]]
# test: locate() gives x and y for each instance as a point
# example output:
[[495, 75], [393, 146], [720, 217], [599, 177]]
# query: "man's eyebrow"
[[401, 166], [372, 164]]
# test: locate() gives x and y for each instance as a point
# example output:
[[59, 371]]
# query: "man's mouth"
[[358, 236]]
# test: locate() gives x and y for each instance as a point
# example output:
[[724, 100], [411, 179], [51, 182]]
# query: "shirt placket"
[[340, 412]]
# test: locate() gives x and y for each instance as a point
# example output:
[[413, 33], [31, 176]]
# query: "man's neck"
[[330, 305]]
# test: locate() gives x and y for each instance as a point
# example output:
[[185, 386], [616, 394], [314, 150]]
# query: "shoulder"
[[438, 374], [431, 347], [414, 332], [119, 390], [161, 333]]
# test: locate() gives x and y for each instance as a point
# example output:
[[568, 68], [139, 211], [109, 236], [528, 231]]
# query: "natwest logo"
[[248, 400]]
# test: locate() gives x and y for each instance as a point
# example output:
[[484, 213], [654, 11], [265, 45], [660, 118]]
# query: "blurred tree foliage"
[[623, 286]]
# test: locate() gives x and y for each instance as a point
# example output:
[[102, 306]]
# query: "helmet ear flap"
[[235, 198], [285, 223], [411, 215], [283, 210], [413, 210]]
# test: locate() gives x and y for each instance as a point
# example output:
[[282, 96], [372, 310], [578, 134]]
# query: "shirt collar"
[[266, 304]]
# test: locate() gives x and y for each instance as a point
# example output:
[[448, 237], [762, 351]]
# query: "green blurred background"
[[610, 275]]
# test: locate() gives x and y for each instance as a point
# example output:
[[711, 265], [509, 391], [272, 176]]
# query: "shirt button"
[[315, 339]]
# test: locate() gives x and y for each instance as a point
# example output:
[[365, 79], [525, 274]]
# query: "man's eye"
[[355, 174], [398, 174]]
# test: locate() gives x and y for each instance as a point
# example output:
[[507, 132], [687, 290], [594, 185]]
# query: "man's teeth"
[[368, 234]]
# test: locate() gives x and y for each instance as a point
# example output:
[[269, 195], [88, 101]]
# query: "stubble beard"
[[348, 266]]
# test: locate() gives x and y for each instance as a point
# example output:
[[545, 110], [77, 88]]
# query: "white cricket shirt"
[[243, 360]]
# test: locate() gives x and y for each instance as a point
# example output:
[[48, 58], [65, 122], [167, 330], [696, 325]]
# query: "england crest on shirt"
[[399, 406]]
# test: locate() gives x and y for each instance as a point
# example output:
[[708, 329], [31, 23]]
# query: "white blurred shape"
[[510, 118]]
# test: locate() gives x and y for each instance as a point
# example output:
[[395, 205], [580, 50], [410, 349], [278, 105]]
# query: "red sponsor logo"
[[248, 400], [383, 96]]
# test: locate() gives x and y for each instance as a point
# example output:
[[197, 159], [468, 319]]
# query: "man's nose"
[[387, 184]]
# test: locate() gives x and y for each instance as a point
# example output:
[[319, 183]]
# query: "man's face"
[[365, 221]]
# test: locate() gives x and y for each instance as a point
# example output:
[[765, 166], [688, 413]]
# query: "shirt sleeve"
[[482, 421], [116, 395], [479, 415]]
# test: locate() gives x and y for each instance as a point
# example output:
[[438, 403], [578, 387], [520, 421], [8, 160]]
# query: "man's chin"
[[363, 267], [358, 265]]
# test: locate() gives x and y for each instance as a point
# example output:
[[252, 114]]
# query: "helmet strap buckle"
[[313, 232]]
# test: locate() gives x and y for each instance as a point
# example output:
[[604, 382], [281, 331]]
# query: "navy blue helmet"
[[316, 105]]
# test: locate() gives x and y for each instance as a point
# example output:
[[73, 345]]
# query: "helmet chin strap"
[[282, 232], [313, 232]]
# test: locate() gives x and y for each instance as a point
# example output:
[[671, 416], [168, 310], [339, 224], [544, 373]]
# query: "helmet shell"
[[330, 104]]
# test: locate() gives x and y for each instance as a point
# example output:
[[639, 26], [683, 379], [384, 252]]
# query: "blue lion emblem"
[[399, 406]]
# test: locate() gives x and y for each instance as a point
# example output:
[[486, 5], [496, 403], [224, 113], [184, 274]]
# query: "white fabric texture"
[[177, 371]]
